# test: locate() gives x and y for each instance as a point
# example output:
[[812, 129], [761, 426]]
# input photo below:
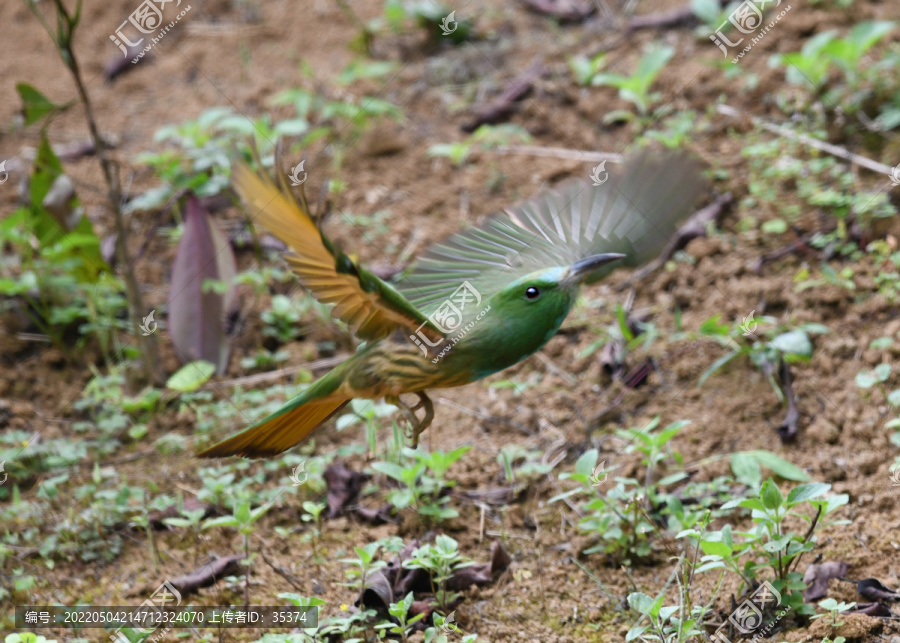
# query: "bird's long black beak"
[[581, 269]]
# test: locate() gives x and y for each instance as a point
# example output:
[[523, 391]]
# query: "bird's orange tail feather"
[[279, 433]]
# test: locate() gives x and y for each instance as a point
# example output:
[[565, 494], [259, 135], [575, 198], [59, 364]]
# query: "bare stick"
[[258, 378], [560, 153]]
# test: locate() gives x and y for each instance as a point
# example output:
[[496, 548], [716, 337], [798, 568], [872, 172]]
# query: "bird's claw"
[[417, 426]]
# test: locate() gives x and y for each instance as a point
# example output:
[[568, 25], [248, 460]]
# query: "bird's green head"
[[548, 293], [529, 311]]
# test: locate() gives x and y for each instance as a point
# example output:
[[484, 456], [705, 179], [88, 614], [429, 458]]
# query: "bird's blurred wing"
[[634, 212], [371, 308]]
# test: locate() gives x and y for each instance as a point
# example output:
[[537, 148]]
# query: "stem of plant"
[[247, 574], [63, 42]]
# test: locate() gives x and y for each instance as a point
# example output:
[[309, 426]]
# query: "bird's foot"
[[415, 423]]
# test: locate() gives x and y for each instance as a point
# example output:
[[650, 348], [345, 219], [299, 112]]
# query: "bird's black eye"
[[532, 292]]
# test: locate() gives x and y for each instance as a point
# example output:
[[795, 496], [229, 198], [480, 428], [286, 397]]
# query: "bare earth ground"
[[216, 58]]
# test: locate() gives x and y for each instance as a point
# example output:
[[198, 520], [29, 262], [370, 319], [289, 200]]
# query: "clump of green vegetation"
[[821, 183], [634, 89], [485, 137], [862, 84], [423, 478]]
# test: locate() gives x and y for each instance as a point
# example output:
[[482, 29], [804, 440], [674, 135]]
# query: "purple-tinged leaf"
[[196, 311]]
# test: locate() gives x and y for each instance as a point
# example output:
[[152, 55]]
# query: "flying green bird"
[[479, 302]]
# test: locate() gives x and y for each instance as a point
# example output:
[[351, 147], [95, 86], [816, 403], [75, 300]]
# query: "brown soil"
[[218, 58]]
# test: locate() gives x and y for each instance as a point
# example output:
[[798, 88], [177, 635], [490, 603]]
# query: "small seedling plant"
[[811, 69], [636, 88], [243, 519], [772, 549], [440, 560], [618, 517], [422, 475], [765, 348], [833, 611]]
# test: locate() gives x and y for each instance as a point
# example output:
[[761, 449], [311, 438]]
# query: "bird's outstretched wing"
[[635, 211], [371, 308]]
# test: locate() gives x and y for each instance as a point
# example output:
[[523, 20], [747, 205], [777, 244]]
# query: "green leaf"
[[36, 105], [716, 548], [864, 35], [794, 342], [866, 379], [221, 521], [641, 602], [706, 10], [302, 601], [191, 376], [719, 363], [774, 226], [389, 469], [804, 492], [771, 495], [586, 463], [746, 469], [779, 466]]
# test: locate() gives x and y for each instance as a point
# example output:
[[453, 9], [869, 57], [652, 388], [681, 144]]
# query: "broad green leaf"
[[804, 492], [191, 376], [35, 105], [389, 469], [779, 466], [774, 226], [746, 469], [771, 495], [586, 463], [641, 602], [716, 548], [794, 342]]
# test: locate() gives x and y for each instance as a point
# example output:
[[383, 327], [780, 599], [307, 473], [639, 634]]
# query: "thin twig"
[[551, 366], [834, 150], [559, 153], [281, 571], [250, 380]]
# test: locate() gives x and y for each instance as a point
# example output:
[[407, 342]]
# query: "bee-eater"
[[480, 301]]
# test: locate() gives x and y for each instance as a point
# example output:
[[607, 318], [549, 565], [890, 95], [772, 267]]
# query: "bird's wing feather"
[[635, 212], [372, 308]]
